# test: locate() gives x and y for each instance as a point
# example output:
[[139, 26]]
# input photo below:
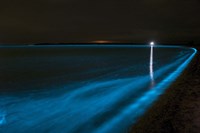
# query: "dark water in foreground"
[[72, 89]]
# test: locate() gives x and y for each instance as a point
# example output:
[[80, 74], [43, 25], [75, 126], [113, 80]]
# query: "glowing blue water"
[[105, 89]]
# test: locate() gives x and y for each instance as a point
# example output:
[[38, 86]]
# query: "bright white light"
[[152, 43], [151, 65]]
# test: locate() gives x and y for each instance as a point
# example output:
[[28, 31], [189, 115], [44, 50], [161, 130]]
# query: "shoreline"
[[178, 109]]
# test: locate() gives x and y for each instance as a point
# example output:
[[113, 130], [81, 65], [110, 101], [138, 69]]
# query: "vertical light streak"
[[151, 66]]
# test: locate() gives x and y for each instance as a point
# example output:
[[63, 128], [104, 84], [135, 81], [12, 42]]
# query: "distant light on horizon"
[[102, 41], [152, 43]]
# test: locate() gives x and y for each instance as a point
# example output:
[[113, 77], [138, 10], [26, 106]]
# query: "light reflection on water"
[[151, 67], [101, 105]]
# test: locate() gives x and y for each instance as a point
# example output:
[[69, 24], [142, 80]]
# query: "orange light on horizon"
[[102, 41]]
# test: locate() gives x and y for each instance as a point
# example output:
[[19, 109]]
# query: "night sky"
[[71, 21]]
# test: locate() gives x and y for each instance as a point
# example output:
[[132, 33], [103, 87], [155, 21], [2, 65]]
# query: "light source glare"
[[152, 43]]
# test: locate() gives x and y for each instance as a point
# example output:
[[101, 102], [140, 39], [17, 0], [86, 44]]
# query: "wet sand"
[[178, 110]]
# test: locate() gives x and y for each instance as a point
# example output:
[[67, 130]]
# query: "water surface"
[[72, 89]]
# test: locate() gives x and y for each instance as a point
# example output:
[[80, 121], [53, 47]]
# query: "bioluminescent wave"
[[2, 118], [91, 89]]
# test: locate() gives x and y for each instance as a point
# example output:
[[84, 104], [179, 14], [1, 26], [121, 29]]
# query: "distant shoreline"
[[91, 43]]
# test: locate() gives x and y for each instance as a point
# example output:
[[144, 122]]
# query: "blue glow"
[[145, 101], [2, 118], [100, 105]]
